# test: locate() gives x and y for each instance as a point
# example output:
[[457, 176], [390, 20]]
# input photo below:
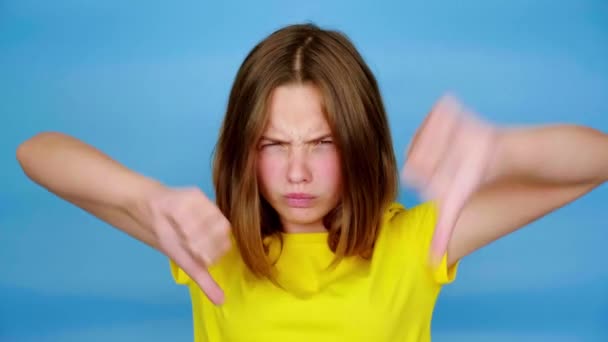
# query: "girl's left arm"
[[489, 181], [533, 172]]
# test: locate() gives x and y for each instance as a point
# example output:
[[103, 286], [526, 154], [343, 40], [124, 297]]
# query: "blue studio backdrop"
[[147, 82]]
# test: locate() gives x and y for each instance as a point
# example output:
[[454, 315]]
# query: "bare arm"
[[180, 223], [490, 181], [88, 178], [537, 170]]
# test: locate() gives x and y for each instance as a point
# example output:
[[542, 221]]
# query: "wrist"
[[500, 159], [137, 202]]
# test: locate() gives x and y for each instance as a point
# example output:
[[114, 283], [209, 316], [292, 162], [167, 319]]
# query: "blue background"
[[147, 82]]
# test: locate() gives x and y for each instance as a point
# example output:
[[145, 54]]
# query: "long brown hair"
[[355, 113]]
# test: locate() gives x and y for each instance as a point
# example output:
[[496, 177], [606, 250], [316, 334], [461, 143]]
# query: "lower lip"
[[299, 202]]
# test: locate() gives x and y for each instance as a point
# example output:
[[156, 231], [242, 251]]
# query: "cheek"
[[329, 170], [267, 169]]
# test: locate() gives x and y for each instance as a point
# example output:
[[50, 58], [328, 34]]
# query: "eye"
[[325, 142], [270, 144]]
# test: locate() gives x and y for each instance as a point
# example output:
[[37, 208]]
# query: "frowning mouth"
[[299, 200]]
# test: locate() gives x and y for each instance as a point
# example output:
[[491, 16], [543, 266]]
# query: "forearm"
[[76, 171], [555, 154]]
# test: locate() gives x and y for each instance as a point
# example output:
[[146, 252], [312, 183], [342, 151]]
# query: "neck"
[[298, 228]]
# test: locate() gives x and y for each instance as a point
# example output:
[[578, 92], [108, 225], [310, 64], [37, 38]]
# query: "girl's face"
[[298, 164]]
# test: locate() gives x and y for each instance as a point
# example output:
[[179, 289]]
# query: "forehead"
[[296, 110]]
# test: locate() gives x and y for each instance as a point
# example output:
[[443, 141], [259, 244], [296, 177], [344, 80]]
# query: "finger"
[[201, 276], [209, 246], [443, 175], [193, 233], [473, 149], [198, 252], [430, 143], [176, 227], [450, 162], [194, 266], [220, 235], [450, 207]]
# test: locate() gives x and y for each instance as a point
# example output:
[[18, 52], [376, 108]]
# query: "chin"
[[306, 215]]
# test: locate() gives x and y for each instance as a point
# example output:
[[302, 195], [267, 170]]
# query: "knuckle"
[[180, 223], [225, 246], [203, 258], [224, 226], [179, 211], [195, 195], [221, 230], [199, 253]]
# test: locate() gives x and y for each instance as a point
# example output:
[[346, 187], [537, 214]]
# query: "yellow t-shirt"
[[388, 298]]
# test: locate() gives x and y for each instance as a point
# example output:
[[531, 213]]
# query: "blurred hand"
[[447, 162], [192, 231]]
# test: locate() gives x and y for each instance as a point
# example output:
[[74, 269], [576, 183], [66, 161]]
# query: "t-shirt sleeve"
[[218, 271], [415, 228], [179, 276]]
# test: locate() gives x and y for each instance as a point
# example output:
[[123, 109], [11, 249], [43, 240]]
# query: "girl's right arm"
[[86, 177], [180, 223]]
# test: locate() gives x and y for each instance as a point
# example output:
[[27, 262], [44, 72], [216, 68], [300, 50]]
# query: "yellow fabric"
[[388, 298]]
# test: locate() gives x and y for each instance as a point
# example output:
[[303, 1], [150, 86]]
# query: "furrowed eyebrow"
[[319, 138], [272, 139], [322, 137]]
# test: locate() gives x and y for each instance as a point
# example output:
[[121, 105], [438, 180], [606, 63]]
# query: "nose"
[[298, 170]]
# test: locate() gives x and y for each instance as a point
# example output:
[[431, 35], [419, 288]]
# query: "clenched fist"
[[192, 231]]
